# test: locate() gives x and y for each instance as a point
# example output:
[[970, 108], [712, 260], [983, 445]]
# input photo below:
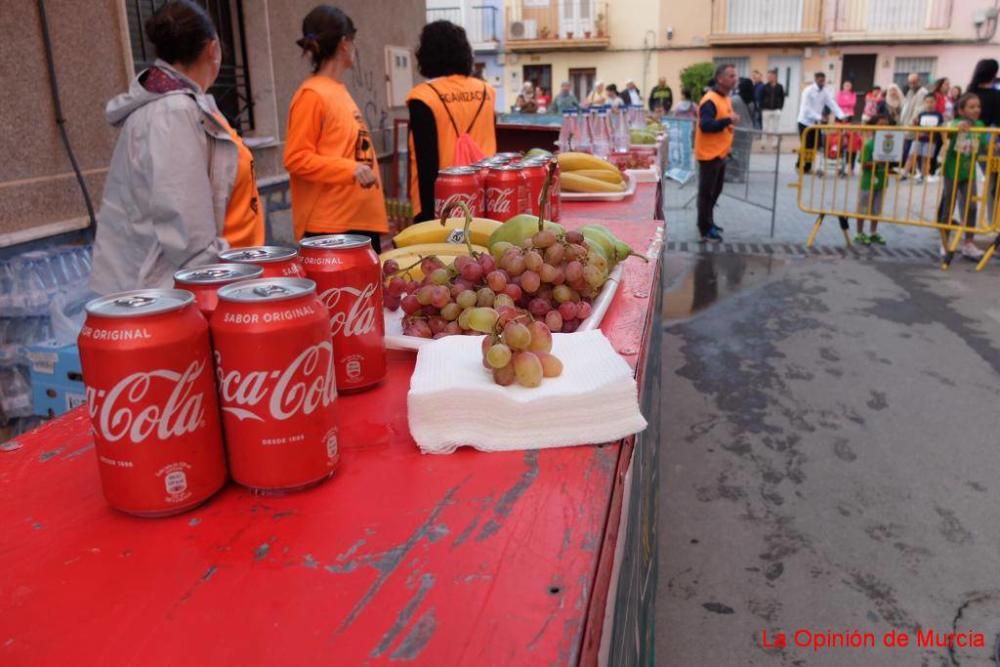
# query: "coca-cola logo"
[[499, 200], [470, 199], [352, 310], [305, 385], [129, 410]]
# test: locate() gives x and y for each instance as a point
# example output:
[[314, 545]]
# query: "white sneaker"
[[933, 179], [919, 180], [942, 253], [971, 251]]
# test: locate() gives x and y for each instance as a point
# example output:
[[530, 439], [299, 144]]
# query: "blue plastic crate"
[[50, 399], [56, 379], [51, 364]]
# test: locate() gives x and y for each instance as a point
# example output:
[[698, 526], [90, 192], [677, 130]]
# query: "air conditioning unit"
[[527, 29]]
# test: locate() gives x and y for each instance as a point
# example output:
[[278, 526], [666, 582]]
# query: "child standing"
[[874, 178], [923, 148], [960, 171], [872, 98]]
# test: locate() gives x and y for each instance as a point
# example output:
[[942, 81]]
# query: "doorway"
[[859, 69], [790, 78], [581, 81], [539, 76]]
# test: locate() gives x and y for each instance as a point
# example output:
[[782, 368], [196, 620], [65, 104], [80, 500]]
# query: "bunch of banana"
[[601, 240], [452, 231], [408, 256], [582, 172]]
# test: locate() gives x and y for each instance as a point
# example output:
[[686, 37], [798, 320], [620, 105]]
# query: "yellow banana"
[[433, 231], [575, 161], [572, 182], [442, 250], [601, 175], [415, 273]]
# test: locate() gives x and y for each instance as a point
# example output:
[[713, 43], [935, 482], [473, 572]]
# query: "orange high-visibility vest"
[[711, 145], [464, 97]]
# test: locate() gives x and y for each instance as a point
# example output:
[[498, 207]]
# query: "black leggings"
[[374, 236]]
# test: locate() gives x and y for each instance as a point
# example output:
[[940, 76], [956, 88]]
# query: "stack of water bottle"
[[597, 130], [35, 287]]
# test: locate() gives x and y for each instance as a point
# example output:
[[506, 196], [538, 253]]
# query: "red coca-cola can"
[[147, 367], [536, 180], [274, 368], [348, 279], [277, 261], [460, 182], [204, 282], [510, 157], [534, 176], [506, 192]]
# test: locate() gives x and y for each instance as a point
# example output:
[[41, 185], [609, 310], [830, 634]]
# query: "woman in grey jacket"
[[176, 164]]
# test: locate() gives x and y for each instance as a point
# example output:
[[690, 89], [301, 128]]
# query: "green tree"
[[695, 77]]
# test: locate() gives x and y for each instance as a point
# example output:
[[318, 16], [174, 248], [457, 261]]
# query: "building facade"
[[580, 41], [869, 42], [483, 23], [98, 45]]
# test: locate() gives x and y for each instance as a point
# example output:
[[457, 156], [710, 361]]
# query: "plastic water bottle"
[[582, 140], [568, 133], [620, 132], [601, 136]]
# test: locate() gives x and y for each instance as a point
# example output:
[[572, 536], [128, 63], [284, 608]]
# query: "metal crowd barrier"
[[830, 177]]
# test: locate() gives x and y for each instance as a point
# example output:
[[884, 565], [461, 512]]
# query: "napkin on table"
[[453, 400]]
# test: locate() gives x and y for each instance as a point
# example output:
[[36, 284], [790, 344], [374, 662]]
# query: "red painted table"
[[467, 559]]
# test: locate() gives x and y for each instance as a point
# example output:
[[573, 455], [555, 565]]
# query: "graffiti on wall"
[[368, 95]]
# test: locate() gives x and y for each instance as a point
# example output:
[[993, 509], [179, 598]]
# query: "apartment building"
[[870, 42], [580, 41], [483, 23]]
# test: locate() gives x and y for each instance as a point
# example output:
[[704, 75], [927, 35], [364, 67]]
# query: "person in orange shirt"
[[329, 154], [446, 112]]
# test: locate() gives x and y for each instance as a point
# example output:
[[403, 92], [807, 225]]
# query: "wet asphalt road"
[[830, 459]]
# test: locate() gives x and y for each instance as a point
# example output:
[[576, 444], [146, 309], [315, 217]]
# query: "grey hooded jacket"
[[166, 192]]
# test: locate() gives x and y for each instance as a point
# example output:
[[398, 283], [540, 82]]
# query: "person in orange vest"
[[180, 187], [713, 141], [331, 161], [452, 122]]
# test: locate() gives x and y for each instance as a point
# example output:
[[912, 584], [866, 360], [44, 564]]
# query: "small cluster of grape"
[[551, 278], [521, 353]]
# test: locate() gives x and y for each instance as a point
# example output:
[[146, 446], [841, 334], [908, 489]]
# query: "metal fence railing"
[[896, 183], [752, 175]]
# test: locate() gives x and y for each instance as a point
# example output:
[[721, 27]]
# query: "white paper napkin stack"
[[453, 400]]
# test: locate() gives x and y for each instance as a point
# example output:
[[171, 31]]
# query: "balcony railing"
[[479, 21], [903, 20], [453, 14], [766, 21], [484, 25], [557, 24]]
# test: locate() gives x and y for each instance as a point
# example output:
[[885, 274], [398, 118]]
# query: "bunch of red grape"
[[550, 278], [521, 353]]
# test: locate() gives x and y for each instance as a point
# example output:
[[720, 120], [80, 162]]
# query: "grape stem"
[[543, 198], [407, 269], [455, 201]]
